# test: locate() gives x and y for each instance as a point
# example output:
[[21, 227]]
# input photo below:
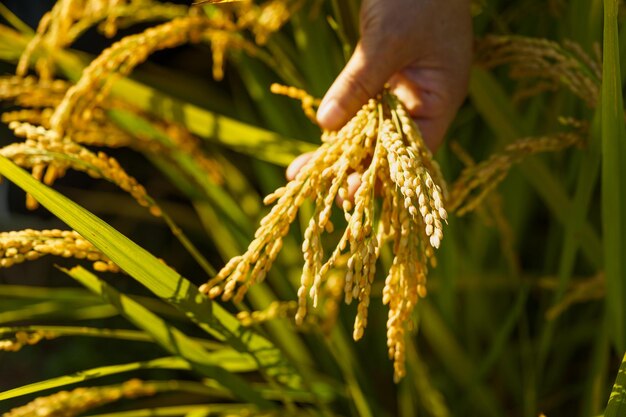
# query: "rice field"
[[156, 262]]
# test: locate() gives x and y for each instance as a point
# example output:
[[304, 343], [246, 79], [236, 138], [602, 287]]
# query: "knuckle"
[[358, 85]]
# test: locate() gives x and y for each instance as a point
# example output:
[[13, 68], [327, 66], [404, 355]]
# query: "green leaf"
[[172, 339], [55, 310], [241, 137], [152, 273], [15, 21], [613, 178], [617, 401], [79, 297], [120, 334], [62, 381]]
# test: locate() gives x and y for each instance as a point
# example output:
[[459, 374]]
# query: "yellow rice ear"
[[381, 143]]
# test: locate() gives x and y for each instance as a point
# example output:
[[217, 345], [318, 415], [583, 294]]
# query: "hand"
[[422, 48]]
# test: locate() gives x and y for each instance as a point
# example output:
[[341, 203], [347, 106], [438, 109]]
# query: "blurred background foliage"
[[524, 315]]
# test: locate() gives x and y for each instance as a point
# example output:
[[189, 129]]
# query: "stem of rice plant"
[[613, 174]]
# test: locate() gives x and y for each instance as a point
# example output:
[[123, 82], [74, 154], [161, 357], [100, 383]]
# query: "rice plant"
[[183, 275]]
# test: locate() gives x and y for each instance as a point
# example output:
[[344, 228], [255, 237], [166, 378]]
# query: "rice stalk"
[[613, 173], [581, 291]]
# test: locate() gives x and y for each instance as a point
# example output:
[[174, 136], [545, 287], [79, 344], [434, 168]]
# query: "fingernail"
[[354, 182], [297, 164], [330, 115], [292, 170]]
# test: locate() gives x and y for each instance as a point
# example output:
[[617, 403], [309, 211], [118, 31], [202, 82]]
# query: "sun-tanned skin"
[[421, 48]]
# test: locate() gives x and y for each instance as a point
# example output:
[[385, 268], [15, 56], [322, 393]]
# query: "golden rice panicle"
[[315, 176], [121, 58], [277, 309], [252, 266], [28, 245], [477, 181], [406, 279], [45, 149], [416, 142], [55, 29], [548, 61], [381, 144], [364, 246], [39, 117], [220, 41], [273, 14], [97, 132], [363, 243], [422, 196], [356, 147], [222, 33], [39, 97], [356, 150], [32, 92], [68, 19], [23, 338], [75, 402], [226, 25], [265, 19]]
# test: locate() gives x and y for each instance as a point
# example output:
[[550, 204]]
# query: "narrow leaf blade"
[[156, 276]]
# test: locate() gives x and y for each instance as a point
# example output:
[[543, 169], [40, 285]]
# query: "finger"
[[433, 131], [430, 102], [363, 77], [354, 182], [431, 126], [297, 164], [408, 93]]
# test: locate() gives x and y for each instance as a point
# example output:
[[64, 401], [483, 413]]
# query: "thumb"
[[363, 77]]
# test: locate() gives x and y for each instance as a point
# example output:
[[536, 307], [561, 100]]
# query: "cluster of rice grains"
[[28, 245], [399, 198], [80, 400], [19, 339], [478, 180], [544, 65]]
